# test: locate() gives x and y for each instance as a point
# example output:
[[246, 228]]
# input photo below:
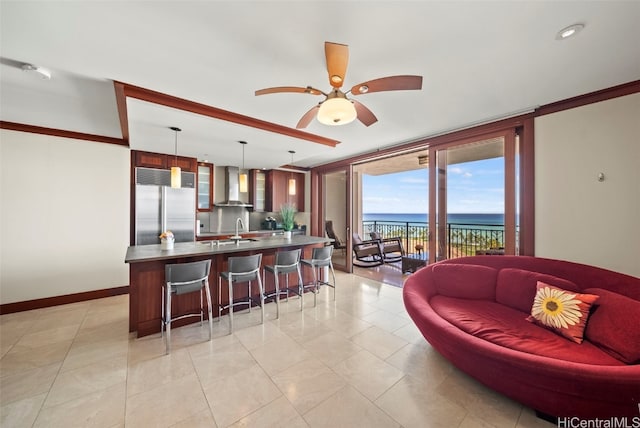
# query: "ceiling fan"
[[336, 108]]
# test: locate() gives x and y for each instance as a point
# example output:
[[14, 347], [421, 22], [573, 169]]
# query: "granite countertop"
[[146, 253]]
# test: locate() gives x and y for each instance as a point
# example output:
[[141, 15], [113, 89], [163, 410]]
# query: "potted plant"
[[288, 214], [166, 240]]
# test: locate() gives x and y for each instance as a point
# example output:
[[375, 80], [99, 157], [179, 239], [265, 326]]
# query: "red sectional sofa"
[[474, 311]]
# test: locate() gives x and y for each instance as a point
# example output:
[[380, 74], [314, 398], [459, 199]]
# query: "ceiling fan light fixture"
[[337, 111]]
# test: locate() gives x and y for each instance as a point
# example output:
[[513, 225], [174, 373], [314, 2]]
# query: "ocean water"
[[461, 218]]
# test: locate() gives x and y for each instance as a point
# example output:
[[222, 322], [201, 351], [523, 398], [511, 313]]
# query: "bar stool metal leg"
[[167, 318], [300, 287], [219, 298], [277, 283], [230, 303], [209, 306], [261, 290]]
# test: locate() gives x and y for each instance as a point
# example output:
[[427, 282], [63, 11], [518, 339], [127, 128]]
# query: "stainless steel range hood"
[[232, 189]]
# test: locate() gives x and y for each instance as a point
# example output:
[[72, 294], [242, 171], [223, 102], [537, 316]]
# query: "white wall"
[[64, 216], [335, 210], [579, 218]]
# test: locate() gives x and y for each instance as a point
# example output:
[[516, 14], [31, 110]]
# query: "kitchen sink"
[[235, 241], [214, 242]]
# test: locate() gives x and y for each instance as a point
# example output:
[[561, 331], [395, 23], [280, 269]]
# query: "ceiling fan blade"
[[365, 115], [277, 89], [391, 83], [308, 117], [337, 58]]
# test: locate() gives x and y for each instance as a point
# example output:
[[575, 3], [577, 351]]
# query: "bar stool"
[[181, 279], [320, 258], [241, 269], [286, 262]]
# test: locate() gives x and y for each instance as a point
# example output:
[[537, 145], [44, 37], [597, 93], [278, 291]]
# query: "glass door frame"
[[318, 208], [437, 195]]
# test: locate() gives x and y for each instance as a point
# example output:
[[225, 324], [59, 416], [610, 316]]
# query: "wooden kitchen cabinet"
[[205, 187], [150, 160], [258, 190], [185, 164], [278, 190], [163, 161]]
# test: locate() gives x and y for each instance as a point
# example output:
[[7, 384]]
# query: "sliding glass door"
[[473, 198]]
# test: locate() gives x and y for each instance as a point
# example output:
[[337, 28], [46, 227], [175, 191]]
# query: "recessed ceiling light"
[[42, 72], [569, 31]]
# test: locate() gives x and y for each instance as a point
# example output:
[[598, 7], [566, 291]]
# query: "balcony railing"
[[462, 239]]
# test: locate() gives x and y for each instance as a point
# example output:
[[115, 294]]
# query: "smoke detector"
[[43, 73]]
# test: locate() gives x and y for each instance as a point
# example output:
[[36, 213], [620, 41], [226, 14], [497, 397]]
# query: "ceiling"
[[480, 60]]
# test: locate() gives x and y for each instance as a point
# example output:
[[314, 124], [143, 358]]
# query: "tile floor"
[[355, 362]]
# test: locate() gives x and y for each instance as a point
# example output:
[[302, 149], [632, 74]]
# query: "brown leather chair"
[[392, 249], [366, 253], [338, 243]]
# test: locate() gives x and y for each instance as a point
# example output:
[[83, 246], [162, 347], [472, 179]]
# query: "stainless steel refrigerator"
[[160, 208]]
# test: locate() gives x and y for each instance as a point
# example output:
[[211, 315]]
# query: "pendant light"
[[176, 174], [292, 181], [244, 180]]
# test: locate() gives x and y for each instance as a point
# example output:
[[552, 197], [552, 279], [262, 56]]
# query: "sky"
[[473, 187]]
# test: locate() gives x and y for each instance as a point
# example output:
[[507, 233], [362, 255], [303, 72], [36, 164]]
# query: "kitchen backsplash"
[[223, 219]]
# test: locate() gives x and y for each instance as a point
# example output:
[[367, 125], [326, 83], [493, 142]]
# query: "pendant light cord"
[[244, 143], [176, 130]]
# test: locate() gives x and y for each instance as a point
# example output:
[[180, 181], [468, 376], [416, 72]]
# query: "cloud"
[[413, 180], [459, 171]]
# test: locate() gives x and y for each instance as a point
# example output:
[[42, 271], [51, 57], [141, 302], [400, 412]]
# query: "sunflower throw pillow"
[[564, 312]]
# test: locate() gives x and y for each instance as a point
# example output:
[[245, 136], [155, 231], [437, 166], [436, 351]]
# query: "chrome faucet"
[[239, 224]]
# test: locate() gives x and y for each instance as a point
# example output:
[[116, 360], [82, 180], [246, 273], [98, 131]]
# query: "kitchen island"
[[147, 265]]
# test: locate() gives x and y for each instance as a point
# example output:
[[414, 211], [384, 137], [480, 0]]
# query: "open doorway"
[[336, 221], [391, 200]]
